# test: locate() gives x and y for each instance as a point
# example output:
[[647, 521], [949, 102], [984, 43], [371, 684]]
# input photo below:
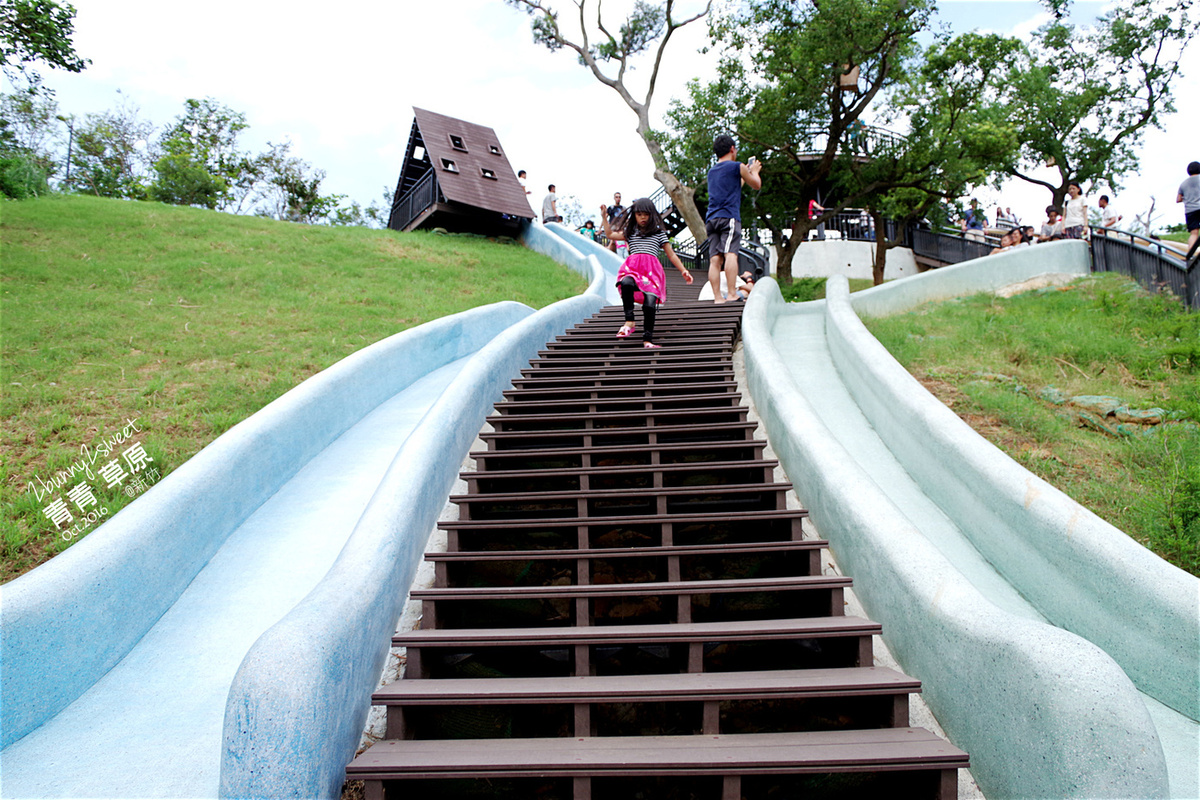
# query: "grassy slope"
[[187, 321], [990, 360]]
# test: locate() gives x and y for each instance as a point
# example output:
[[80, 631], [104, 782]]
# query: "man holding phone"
[[723, 223]]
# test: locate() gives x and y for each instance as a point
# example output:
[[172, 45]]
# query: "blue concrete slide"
[[1060, 653]]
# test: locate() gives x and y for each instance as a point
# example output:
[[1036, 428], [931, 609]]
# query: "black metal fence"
[[407, 208], [852, 224], [1151, 263], [948, 248]]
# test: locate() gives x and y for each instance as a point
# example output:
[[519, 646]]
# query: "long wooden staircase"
[[628, 609]]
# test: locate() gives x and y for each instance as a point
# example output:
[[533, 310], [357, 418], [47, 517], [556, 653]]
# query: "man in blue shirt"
[[723, 223]]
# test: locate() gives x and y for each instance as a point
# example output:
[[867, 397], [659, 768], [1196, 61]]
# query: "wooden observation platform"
[[456, 176]]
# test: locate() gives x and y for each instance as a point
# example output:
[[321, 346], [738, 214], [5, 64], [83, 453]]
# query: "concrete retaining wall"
[[66, 623], [853, 259], [1042, 712]]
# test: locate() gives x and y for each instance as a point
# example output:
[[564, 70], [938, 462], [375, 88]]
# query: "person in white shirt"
[[1075, 221], [1108, 215]]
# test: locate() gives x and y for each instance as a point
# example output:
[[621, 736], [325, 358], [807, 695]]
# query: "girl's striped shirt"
[[647, 245]]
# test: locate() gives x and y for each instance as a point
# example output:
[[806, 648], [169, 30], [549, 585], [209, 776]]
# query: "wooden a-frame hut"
[[456, 176]]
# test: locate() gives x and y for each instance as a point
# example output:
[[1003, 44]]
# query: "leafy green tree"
[[33, 31], [649, 27], [955, 140], [200, 161], [290, 189], [27, 128], [1083, 97], [110, 156], [794, 82]]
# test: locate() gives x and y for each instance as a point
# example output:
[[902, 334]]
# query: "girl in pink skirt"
[[641, 277]]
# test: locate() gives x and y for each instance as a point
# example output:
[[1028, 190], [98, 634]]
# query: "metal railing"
[[948, 247], [852, 224], [405, 209], [1151, 263], [864, 139], [752, 256]]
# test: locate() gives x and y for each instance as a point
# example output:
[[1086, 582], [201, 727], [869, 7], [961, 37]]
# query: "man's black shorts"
[[1192, 218], [724, 235]]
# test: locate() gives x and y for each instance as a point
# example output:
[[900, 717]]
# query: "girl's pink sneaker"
[[626, 331], [651, 346]]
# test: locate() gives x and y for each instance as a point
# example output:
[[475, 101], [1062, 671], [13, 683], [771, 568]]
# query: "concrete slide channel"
[[221, 636], [1062, 655]]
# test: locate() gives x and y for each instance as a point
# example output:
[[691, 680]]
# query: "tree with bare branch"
[[649, 26]]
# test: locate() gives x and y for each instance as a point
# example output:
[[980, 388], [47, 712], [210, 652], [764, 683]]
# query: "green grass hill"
[[183, 322]]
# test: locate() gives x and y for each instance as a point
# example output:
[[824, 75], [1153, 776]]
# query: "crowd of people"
[[1071, 220]]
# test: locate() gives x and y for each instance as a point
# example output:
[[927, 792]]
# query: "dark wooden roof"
[[476, 154]]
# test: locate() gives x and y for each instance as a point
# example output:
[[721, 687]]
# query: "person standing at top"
[[1189, 195], [1108, 215], [550, 207], [522, 178], [723, 223], [641, 278], [616, 215], [1075, 224], [974, 222]]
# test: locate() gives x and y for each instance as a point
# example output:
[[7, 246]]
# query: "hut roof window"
[[488, 173], [449, 165], [494, 149], [456, 142]]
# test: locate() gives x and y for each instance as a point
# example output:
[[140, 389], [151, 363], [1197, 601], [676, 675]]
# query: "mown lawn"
[[183, 322]]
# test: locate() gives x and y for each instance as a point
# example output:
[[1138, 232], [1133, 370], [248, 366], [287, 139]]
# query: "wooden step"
[[727, 384], [900, 762], [621, 418], [625, 532], [658, 602], [623, 502], [595, 405], [697, 562], [754, 645], [710, 703], [620, 437], [658, 367], [633, 477], [577, 456]]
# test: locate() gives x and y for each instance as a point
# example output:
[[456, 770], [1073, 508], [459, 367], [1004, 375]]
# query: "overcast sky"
[[340, 81]]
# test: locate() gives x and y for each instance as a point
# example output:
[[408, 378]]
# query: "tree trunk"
[[881, 248], [684, 198]]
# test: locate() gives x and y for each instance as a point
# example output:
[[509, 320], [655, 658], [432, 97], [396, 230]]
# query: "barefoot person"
[[641, 277], [723, 223]]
